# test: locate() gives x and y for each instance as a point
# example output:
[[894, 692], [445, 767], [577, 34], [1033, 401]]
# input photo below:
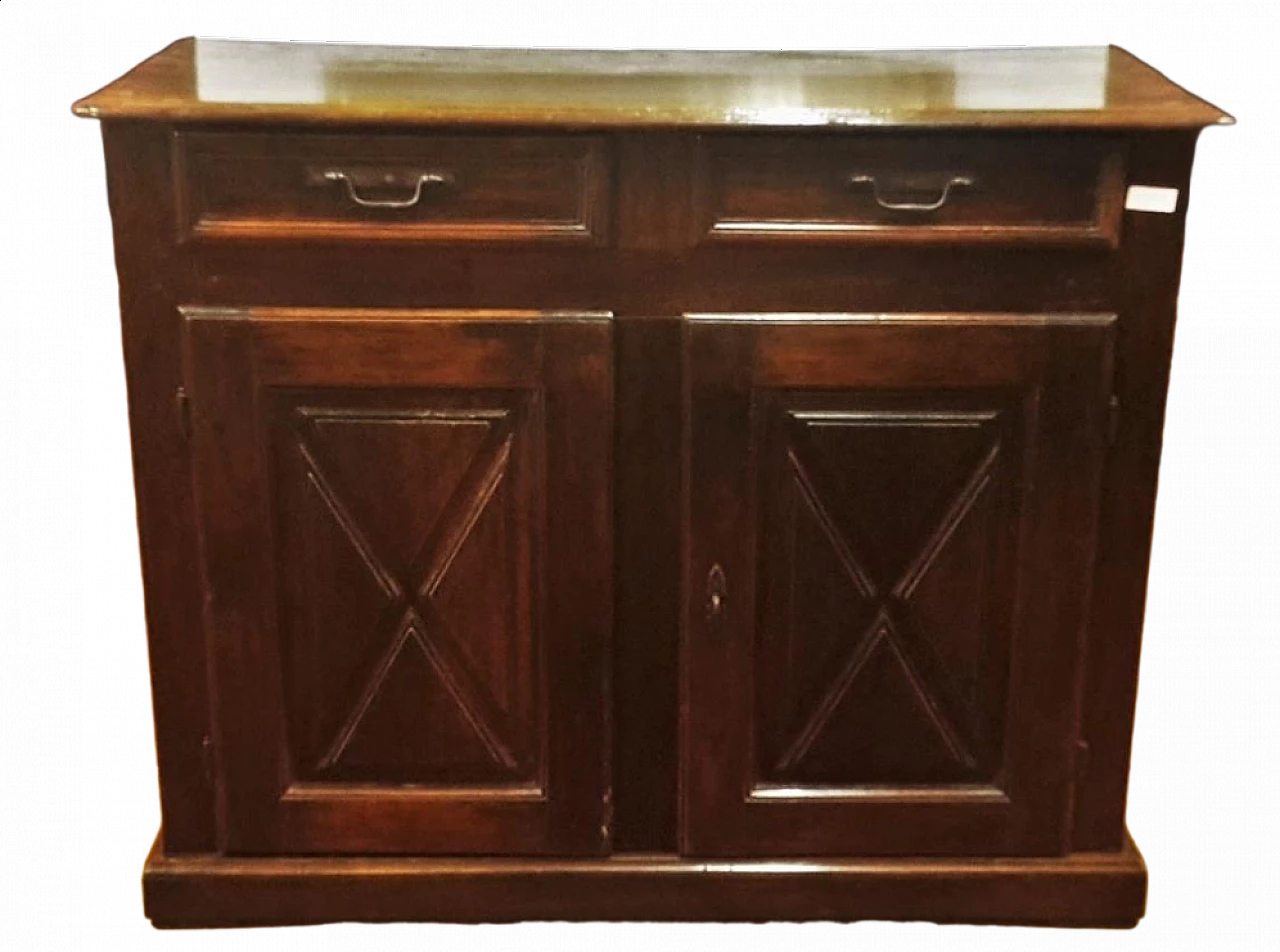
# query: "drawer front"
[[925, 188], [392, 188]]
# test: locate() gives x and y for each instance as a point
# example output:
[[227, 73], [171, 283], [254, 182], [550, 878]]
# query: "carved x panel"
[[406, 590], [880, 646]]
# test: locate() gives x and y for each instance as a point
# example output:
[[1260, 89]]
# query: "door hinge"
[[1113, 420], [606, 822], [1082, 761], [182, 404]]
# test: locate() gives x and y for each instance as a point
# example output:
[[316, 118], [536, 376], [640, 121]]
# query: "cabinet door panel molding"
[[645, 484]]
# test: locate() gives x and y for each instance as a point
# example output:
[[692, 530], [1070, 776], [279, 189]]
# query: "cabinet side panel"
[[1147, 271], [140, 192]]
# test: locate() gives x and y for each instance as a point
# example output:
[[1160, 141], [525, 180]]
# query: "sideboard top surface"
[[211, 80]]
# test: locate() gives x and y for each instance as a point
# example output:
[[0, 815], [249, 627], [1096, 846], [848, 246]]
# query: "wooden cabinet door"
[[405, 524], [890, 535]]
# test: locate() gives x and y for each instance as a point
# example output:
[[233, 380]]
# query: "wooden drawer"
[[911, 188], [493, 188]]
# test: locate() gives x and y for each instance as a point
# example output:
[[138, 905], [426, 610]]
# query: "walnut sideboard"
[[645, 485]]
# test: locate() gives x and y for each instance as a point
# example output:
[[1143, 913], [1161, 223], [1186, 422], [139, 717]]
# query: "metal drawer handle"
[[423, 180], [956, 181]]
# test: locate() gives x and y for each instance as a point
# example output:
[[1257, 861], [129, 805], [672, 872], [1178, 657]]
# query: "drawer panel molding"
[[376, 188], [910, 188]]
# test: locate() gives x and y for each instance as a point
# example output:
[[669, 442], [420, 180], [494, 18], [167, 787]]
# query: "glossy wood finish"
[[142, 210], [463, 466], [396, 550], [902, 510], [1095, 890], [204, 80], [645, 703], [1146, 273], [998, 188], [406, 188]]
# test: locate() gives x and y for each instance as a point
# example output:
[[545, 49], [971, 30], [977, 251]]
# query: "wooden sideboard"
[[645, 485]]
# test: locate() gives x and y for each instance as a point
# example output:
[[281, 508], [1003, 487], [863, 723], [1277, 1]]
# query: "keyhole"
[[716, 591]]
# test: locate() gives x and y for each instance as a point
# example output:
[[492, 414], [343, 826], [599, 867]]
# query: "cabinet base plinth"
[[1103, 890]]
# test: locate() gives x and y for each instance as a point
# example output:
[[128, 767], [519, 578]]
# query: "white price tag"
[[1151, 198]]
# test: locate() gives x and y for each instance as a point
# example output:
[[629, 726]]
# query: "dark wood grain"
[[654, 283], [649, 167], [644, 490], [883, 188], [407, 620], [395, 582], [888, 543], [1095, 890], [391, 187], [1146, 275], [138, 173], [877, 746], [647, 625]]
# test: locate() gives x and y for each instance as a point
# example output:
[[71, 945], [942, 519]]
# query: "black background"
[[1182, 729]]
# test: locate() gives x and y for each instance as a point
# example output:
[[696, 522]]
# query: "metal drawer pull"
[[423, 180], [956, 181]]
